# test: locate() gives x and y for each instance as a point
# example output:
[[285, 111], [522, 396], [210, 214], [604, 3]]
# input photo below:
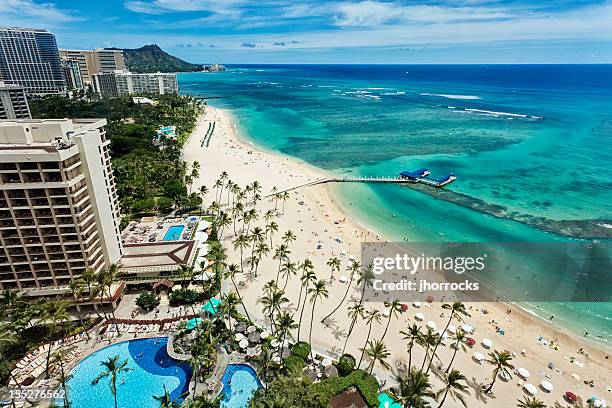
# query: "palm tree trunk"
[[387, 326], [492, 383], [366, 344], [444, 398], [341, 302], [241, 301], [314, 301], [452, 359], [351, 327], [301, 314]]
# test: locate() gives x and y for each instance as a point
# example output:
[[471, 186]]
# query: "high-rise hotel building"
[[13, 102], [95, 61], [59, 211], [30, 58], [118, 83]]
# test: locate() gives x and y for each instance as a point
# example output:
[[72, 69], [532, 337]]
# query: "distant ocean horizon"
[[530, 145]]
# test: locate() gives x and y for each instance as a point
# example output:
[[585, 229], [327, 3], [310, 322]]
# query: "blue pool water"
[[151, 369], [174, 233], [240, 381]]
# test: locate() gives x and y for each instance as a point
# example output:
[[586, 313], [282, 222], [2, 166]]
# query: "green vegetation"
[[151, 175], [147, 300], [184, 297], [366, 383], [301, 349], [346, 365], [151, 58]]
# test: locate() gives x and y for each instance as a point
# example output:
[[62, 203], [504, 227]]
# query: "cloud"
[[29, 13], [279, 43], [248, 45], [157, 7]]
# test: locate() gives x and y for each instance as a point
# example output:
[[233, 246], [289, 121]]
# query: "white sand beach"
[[317, 221]]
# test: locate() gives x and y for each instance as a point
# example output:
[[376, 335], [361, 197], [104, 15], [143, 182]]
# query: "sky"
[[333, 31]]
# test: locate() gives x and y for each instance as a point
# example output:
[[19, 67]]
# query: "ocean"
[[530, 145]]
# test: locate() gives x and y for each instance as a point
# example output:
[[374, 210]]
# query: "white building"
[[13, 102], [59, 211], [127, 83]]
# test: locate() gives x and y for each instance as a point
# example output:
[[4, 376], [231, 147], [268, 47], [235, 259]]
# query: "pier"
[[420, 176]]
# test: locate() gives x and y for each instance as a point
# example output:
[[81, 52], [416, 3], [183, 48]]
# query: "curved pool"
[[151, 369], [240, 381]]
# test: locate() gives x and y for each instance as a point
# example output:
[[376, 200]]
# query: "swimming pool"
[[240, 381], [151, 369], [174, 233]]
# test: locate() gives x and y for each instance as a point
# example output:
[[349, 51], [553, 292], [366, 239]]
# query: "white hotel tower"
[[59, 211]]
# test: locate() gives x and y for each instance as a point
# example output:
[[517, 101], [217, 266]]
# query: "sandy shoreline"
[[317, 220]]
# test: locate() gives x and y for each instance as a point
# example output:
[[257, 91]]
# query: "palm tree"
[[532, 402], [354, 311], [195, 362], [308, 277], [289, 269], [272, 301], [8, 338], [377, 351], [365, 280], [186, 273], [289, 237], [285, 324], [427, 341], [54, 314], [231, 272], [76, 288], [371, 316], [460, 338], [113, 368], [256, 236], [222, 221], [271, 228], [394, 308], [281, 253], [166, 401], [413, 335], [501, 362], [306, 267], [458, 311], [203, 192], [318, 291], [453, 386], [284, 196], [412, 389], [107, 279], [334, 265], [261, 249], [58, 358], [355, 266], [89, 279], [241, 242]]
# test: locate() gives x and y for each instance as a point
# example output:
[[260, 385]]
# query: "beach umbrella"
[[486, 343], [193, 323], [285, 352], [471, 341], [343, 279], [327, 362], [240, 327], [352, 257], [419, 317], [404, 307], [330, 371], [416, 304], [523, 373], [452, 329], [530, 388], [244, 343], [275, 343], [385, 401], [386, 313], [546, 386], [467, 328], [478, 357], [431, 325], [571, 397], [251, 329], [212, 306], [239, 337], [265, 334], [254, 337], [310, 373]]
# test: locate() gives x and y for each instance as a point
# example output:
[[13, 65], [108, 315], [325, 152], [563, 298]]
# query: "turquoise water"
[[240, 381], [150, 369], [529, 144], [174, 233]]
